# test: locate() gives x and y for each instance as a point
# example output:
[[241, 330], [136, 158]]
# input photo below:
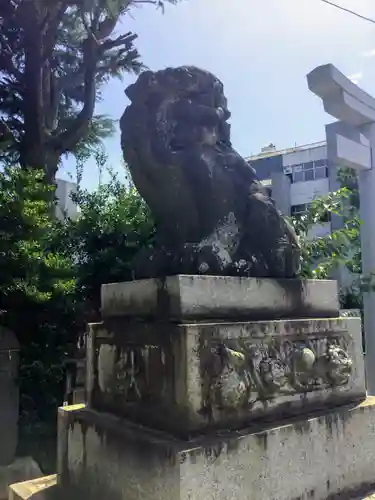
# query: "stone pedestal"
[[185, 378], [185, 298], [146, 362], [323, 457], [214, 369]]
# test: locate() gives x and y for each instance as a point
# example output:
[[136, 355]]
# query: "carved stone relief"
[[238, 374], [230, 377], [133, 373]]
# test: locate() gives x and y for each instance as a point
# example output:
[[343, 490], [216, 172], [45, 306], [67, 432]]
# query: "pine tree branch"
[[72, 79], [158, 3], [7, 64], [50, 28], [127, 39], [68, 139], [6, 58]]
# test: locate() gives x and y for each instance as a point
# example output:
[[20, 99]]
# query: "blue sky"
[[262, 51]]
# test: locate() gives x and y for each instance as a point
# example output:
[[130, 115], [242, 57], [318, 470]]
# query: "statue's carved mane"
[[166, 101]]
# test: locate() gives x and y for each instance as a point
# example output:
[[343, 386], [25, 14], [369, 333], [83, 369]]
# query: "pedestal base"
[[21, 469], [326, 456], [43, 488]]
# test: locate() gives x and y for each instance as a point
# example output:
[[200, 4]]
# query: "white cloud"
[[356, 77], [369, 53]]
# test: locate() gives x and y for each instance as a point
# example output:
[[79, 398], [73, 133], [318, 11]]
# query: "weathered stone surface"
[[189, 377], [350, 313], [186, 297], [42, 488], [21, 469], [367, 497], [327, 456], [213, 216], [9, 395]]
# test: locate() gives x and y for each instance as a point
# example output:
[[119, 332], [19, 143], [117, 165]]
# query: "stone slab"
[[187, 378], [35, 489], [322, 457], [9, 396], [21, 469], [186, 297]]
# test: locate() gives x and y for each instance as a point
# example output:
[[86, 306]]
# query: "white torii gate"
[[351, 143]]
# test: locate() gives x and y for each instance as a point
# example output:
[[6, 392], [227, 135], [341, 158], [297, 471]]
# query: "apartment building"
[[295, 176], [65, 206]]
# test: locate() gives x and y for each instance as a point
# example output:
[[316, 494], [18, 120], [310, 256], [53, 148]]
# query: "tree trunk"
[[32, 146]]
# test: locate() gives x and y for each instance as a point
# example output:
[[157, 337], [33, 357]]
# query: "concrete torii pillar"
[[351, 143]]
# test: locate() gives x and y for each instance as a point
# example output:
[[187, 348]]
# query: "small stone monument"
[[12, 469], [217, 373], [9, 392]]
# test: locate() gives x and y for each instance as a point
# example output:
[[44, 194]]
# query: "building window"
[[298, 210], [321, 172], [320, 163], [309, 175], [326, 217], [310, 171], [298, 176], [308, 166]]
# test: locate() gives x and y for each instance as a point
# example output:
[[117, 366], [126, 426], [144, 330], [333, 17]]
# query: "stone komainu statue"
[[212, 214]]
